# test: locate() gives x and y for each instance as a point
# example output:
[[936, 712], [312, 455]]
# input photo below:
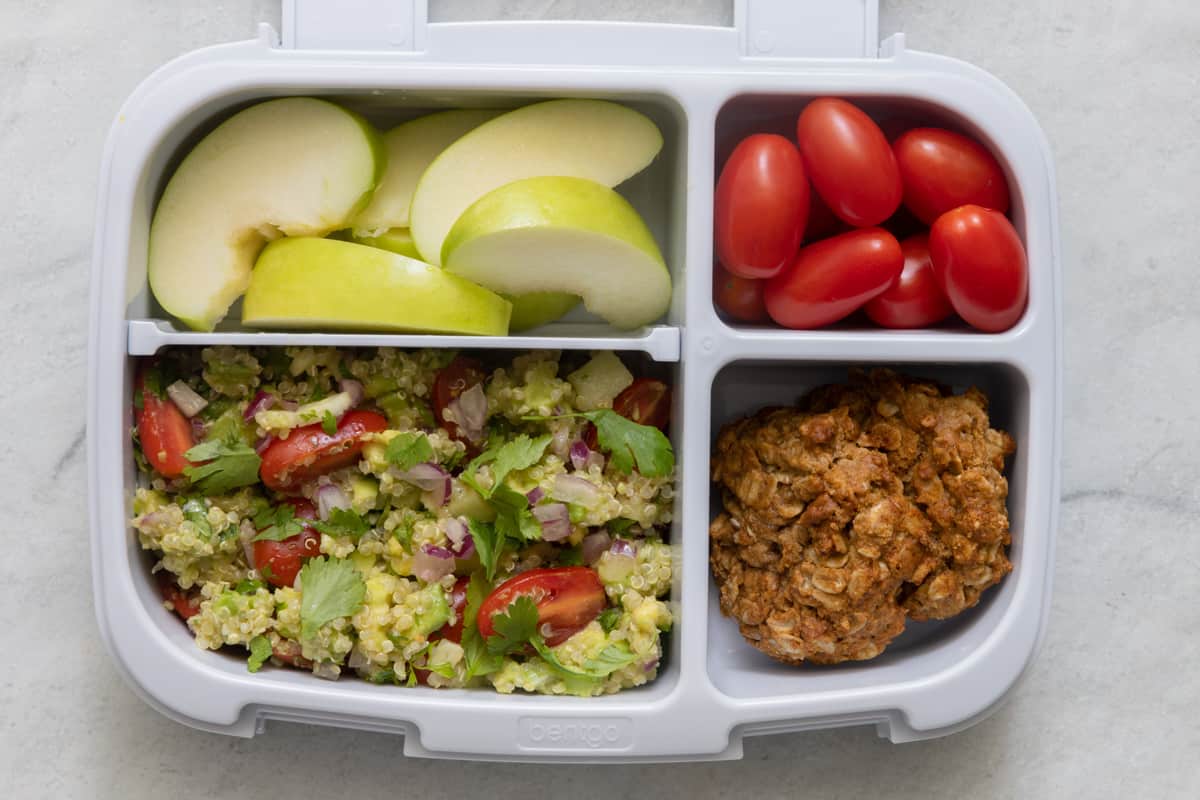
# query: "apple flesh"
[[293, 167], [411, 146], [395, 240], [324, 283], [563, 234], [529, 310], [593, 139]]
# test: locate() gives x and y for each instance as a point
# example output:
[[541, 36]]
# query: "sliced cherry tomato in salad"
[[186, 604], [567, 599], [280, 562], [916, 299], [452, 380], [458, 602], [834, 277], [980, 263], [738, 298], [165, 433], [761, 206], [309, 451], [942, 170], [849, 161]]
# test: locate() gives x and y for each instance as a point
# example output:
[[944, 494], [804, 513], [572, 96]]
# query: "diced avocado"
[[364, 491], [278, 421], [599, 381], [436, 613], [375, 454], [466, 502]]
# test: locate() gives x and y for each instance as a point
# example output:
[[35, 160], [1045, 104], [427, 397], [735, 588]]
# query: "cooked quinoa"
[[405, 535]]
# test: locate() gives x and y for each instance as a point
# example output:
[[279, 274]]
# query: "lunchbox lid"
[[762, 29]]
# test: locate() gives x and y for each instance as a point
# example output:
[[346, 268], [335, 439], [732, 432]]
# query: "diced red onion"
[[246, 536], [354, 389], [432, 563], [289, 405], [456, 531], [594, 459], [470, 412], [431, 479], [262, 444], [466, 549], [650, 665], [573, 489], [534, 495], [556, 521], [579, 454], [198, 428], [330, 496], [185, 399], [623, 547], [261, 402], [357, 659], [560, 445], [594, 545]]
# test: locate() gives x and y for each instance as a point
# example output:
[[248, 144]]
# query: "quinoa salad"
[[411, 517]]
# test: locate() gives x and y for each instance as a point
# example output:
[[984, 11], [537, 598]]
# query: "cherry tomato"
[[186, 604], [849, 161], [980, 263], [165, 433], [834, 277], [761, 206], [458, 601], [280, 562], [916, 299], [822, 223], [567, 599], [943, 170], [645, 401], [309, 451], [738, 298], [455, 378]]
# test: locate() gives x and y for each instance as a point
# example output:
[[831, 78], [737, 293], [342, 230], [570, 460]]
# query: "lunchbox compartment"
[[658, 192], [924, 649], [744, 114], [231, 661]]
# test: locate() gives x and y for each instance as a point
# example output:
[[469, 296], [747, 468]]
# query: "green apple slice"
[[563, 235], [324, 283], [529, 310], [396, 240], [593, 139], [411, 147], [295, 167], [535, 309]]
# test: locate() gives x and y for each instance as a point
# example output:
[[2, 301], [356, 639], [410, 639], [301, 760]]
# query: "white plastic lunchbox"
[[704, 87]]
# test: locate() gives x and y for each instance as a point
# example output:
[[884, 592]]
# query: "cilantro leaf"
[[329, 588], [488, 545], [629, 442], [260, 651], [248, 586], [195, 512], [445, 670], [571, 557], [409, 449], [612, 658], [620, 525], [329, 423], [517, 454], [609, 618], [516, 626], [514, 519], [342, 522], [221, 465], [277, 523], [383, 676]]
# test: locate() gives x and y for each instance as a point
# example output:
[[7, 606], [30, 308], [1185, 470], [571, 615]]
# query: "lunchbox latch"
[[396, 25], [807, 28]]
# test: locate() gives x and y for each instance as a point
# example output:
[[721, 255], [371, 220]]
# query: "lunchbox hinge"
[[807, 28], [395, 25]]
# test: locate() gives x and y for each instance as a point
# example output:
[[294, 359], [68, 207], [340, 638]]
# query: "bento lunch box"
[[704, 87]]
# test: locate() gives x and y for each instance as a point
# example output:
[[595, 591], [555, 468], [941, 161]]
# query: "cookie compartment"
[[924, 649]]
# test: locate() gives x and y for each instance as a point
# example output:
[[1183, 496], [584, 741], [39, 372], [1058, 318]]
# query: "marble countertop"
[[1111, 708]]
